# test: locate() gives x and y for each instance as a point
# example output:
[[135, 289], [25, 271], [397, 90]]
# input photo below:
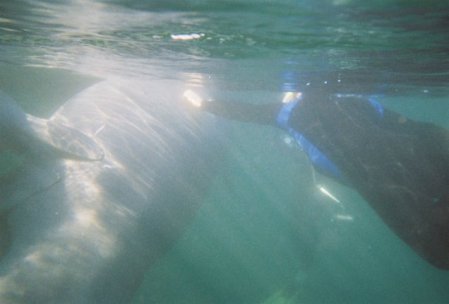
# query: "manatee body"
[[100, 191]]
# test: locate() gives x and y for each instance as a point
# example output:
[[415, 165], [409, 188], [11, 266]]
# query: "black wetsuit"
[[400, 166]]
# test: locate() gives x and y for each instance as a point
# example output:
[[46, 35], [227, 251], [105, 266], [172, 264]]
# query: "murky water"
[[265, 233]]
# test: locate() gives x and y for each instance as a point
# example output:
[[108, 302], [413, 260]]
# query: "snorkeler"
[[400, 166]]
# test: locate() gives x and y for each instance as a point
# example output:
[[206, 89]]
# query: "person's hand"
[[291, 96], [193, 98]]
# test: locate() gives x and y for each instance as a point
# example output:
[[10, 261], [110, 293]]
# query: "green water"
[[265, 233]]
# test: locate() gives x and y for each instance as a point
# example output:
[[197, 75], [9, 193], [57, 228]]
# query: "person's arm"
[[239, 111], [244, 112]]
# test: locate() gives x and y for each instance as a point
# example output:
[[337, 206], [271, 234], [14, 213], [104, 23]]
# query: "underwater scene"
[[233, 151]]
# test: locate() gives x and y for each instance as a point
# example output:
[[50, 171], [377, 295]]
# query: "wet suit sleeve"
[[245, 112]]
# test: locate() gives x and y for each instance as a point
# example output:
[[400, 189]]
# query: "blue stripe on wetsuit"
[[315, 155], [376, 105]]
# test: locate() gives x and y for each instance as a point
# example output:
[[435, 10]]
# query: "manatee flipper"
[[36, 145], [23, 132], [28, 147], [66, 141]]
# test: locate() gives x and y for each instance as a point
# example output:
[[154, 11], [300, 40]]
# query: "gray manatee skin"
[[106, 186]]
